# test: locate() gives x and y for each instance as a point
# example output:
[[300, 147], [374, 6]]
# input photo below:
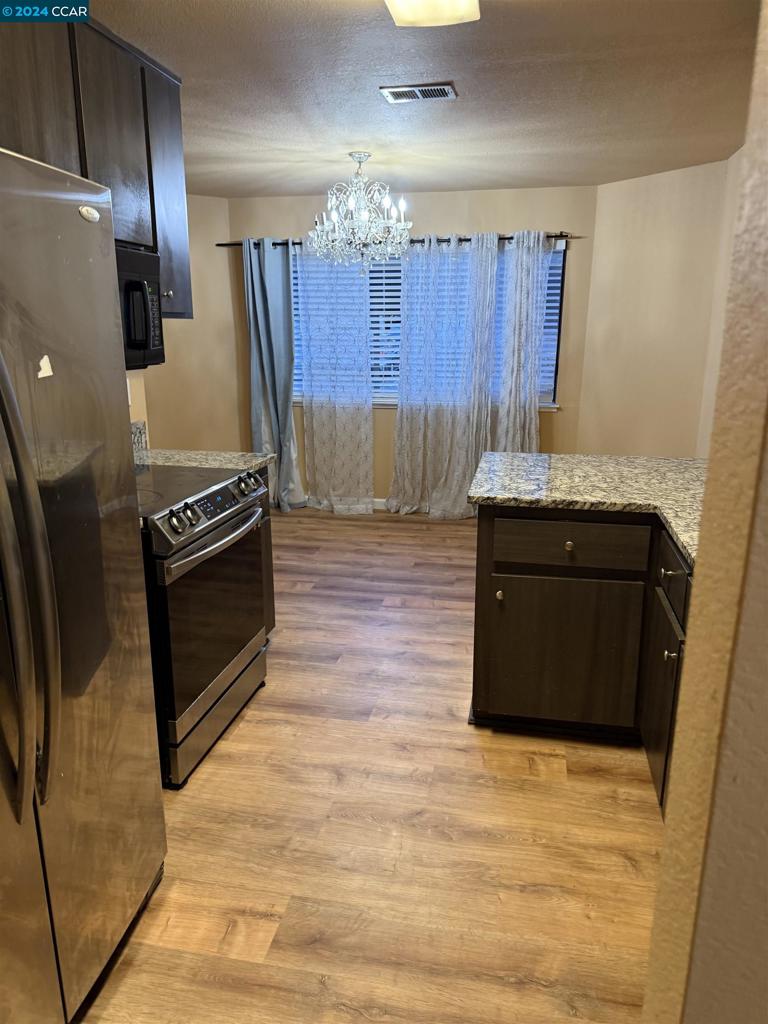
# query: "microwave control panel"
[[156, 330]]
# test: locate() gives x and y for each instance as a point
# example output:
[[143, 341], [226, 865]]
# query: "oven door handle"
[[171, 569]]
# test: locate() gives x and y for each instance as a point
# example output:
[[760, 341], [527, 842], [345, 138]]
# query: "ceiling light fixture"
[[362, 223], [432, 13]]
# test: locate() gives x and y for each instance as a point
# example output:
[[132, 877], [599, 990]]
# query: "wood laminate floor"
[[352, 850]]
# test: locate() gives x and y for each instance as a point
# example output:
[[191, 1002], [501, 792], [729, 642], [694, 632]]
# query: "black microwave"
[[138, 278]]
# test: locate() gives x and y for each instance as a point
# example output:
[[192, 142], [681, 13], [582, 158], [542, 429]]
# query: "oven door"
[[214, 597]]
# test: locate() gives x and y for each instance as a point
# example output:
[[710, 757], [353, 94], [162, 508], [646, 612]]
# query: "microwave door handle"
[[138, 334], [172, 568], [42, 571], [147, 315]]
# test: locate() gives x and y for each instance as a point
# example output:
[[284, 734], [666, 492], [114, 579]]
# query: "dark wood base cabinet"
[[563, 649], [579, 625], [663, 661]]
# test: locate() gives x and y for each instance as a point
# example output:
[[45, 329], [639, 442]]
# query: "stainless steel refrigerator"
[[82, 836]]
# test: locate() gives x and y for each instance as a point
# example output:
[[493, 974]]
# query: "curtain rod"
[[414, 241]]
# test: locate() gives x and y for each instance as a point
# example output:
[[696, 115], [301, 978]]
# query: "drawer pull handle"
[[499, 595], [669, 572], [670, 655], [569, 545]]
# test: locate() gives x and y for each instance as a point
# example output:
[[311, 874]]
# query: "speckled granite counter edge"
[[209, 460], [590, 506]]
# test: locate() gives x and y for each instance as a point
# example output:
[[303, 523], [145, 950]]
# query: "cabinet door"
[[563, 649], [114, 133], [37, 113], [663, 656], [169, 192]]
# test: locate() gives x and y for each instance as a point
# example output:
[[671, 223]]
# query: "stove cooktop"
[[160, 487]]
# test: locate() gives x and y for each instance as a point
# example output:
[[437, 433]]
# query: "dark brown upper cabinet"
[[114, 136], [37, 95], [163, 102], [79, 98]]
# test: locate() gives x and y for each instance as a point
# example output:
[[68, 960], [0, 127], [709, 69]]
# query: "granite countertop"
[[213, 460], [672, 488]]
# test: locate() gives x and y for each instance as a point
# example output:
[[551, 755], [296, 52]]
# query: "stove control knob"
[[191, 514], [255, 480], [176, 521], [244, 485]]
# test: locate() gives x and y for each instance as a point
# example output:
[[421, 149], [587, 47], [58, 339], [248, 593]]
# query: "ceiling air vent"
[[411, 93]]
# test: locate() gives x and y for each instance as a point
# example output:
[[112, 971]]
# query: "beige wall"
[[708, 949], [137, 398], [731, 936], [199, 397], [719, 295], [657, 241]]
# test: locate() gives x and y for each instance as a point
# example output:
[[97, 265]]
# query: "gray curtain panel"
[[470, 355], [267, 278], [446, 364], [522, 289], [333, 319]]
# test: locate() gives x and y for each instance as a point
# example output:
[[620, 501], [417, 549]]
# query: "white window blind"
[[384, 313], [550, 341], [384, 287], [298, 368]]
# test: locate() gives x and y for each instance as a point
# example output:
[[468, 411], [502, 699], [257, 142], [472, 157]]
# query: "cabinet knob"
[[669, 572], [499, 595], [670, 655], [569, 545], [168, 294]]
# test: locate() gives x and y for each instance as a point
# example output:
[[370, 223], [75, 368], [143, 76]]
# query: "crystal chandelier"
[[361, 223]]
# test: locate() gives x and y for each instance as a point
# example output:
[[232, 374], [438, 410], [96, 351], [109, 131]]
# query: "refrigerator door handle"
[[20, 631], [42, 568]]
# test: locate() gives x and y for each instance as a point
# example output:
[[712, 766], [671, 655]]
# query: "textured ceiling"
[[551, 92]]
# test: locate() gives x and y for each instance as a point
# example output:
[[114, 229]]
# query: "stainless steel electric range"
[[205, 561]]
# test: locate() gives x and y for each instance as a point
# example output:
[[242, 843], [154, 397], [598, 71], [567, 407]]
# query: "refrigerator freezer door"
[[102, 829], [29, 985]]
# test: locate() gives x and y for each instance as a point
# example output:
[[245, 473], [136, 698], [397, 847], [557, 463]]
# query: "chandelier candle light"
[[362, 223]]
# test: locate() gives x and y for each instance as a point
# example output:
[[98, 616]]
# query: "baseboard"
[[379, 504]]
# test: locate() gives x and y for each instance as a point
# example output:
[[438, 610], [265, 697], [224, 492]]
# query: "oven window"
[[214, 610]]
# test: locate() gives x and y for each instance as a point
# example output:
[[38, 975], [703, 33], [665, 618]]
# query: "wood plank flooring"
[[353, 850]]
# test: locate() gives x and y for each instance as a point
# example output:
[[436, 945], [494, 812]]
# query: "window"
[[384, 291]]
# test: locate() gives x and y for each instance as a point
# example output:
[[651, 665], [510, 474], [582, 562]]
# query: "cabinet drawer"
[[559, 542], [672, 576]]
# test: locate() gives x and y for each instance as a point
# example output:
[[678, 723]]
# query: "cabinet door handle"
[[569, 545], [168, 294], [669, 572], [499, 595], [670, 655]]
